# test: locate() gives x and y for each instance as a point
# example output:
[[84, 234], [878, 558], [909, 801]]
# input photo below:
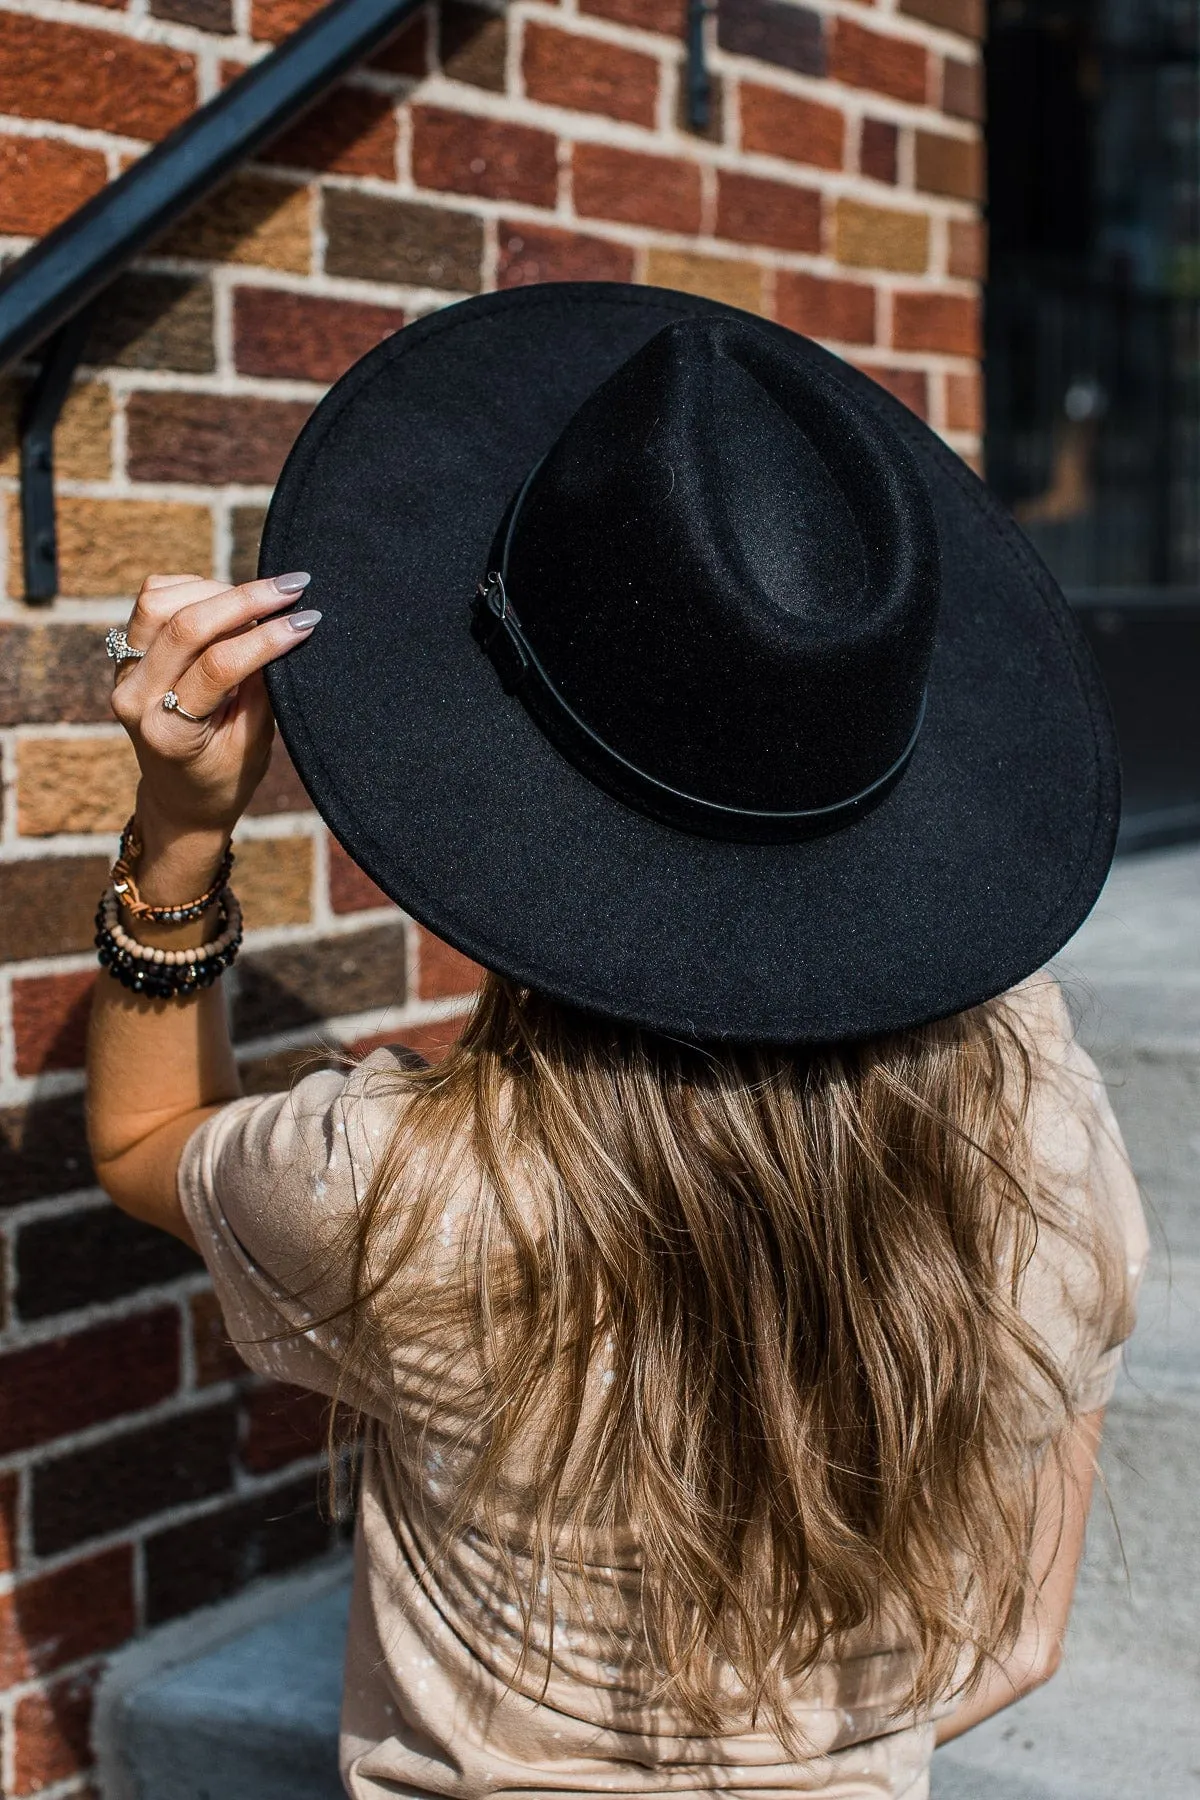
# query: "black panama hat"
[[670, 666]]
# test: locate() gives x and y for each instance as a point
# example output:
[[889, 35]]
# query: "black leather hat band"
[[497, 628]]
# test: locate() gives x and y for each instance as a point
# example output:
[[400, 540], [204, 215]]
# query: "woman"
[[733, 1313]]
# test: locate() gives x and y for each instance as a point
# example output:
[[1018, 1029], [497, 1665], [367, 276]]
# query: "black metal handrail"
[[43, 295]]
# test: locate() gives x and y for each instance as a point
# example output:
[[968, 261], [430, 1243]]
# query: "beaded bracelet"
[[165, 974], [121, 876]]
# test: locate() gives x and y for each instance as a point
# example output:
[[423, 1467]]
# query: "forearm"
[[155, 1067], [1027, 1667]]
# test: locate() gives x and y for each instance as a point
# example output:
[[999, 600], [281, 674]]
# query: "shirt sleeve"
[[271, 1188], [1081, 1291]]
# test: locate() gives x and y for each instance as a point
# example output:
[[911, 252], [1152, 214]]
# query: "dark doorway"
[[1093, 352]]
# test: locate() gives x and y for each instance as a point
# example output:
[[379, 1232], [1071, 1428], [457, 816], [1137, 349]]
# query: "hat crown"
[[728, 568]]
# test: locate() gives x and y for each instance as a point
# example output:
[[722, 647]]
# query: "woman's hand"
[[207, 644]]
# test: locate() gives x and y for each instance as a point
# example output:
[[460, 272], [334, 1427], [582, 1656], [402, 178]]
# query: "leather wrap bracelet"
[[178, 913]]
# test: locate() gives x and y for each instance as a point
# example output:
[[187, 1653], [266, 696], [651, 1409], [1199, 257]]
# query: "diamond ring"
[[170, 703], [118, 648]]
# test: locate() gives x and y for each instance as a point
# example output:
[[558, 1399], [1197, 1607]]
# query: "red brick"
[[210, 438], [562, 69], [43, 1149], [753, 211], [878, 150], [964, 401], [280, 789], [638, 190], [306, 336], [68, 1383], [909, 385], [463, 154], [50, 1017], [90, 1257], [822, 308], [204, 1560], [96, 78], [61, 1618], [132, 1476], [214, 1354], [276, 19], [667, 17], [962, 90], [967, 17], [350, 890], [280, 1425], [775, 124], [351, 132], [943, 322], [43, 180], [442, 971], [949, 165], [430, 1041], [52, 1732], [886, 65], [968, 250], [8, 1522], [530, 253], [407, 53]]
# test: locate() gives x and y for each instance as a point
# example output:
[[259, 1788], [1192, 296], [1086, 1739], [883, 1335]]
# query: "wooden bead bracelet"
[[164, 974]]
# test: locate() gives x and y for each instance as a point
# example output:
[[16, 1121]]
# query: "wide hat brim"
[[974, 870]]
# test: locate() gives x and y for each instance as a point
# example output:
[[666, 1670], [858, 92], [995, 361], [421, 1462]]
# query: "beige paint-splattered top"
[[427, 1709]]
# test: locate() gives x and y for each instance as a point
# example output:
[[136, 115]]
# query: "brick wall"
[[140, 1473]]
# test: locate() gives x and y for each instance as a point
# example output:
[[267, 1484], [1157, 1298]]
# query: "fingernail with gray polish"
[[293, 584], [304, 621]]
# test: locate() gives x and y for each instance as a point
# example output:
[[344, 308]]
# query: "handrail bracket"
[[39, 416]]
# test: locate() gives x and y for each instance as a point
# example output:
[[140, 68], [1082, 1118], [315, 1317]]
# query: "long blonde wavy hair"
[[803, 1268]]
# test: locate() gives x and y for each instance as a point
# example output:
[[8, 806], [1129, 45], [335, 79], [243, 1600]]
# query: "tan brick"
[[108, 547], [968, 249], [273, 879], [74, 784], [245, 531], [375, 238], [251, 220], [777, 124], [473, 44], [964, 401], [719, 277], [877, 237], [82, 440], [949, 165]]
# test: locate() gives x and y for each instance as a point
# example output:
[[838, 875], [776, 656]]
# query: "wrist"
[[176, 863]]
